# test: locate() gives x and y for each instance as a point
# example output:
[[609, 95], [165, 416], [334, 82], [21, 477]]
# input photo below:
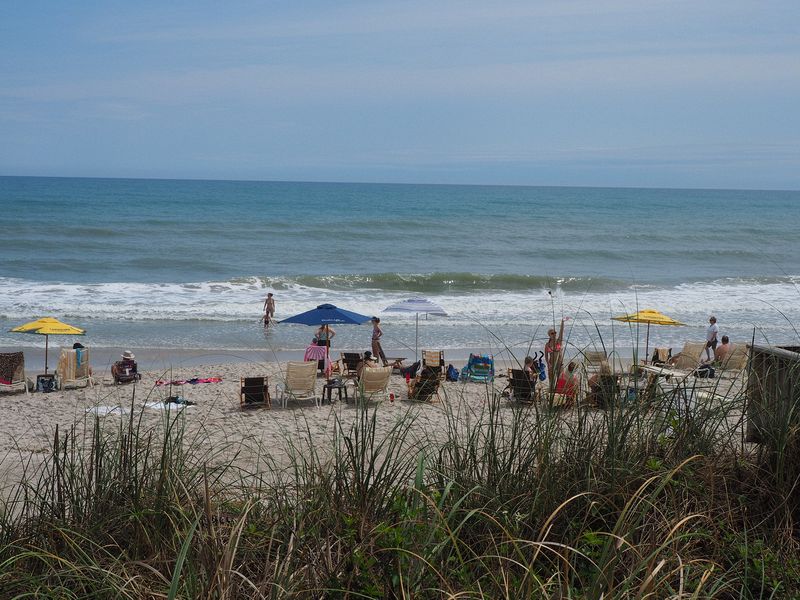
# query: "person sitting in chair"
[[602, 387], [367, 361], [425, 385], [568, 382], [125, 370]]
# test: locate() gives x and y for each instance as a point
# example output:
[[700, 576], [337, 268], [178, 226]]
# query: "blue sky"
[[568, 92]]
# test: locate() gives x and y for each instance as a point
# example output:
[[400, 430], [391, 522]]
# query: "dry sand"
[[252, 438], [215, 420]]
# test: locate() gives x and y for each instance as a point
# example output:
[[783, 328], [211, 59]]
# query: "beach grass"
[[645, 499]]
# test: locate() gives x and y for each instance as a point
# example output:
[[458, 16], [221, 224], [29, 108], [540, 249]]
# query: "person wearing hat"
[[367, 361], [125, 370], [377, 334]]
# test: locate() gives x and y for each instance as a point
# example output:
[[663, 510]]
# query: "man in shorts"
[[712, 333]]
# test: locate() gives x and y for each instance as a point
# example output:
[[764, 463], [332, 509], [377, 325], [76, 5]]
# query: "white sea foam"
[[740, 303]]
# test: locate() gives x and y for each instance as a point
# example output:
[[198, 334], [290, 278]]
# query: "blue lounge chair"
[[480, 367]]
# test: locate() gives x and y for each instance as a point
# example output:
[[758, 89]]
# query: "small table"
[[334, 384]]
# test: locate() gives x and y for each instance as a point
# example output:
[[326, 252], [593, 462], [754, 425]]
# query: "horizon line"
[[400, 183]]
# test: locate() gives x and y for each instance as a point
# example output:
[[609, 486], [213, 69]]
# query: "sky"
[[646, 93]]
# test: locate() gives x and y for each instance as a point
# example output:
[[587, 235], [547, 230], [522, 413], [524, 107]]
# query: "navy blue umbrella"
[[328, 314]]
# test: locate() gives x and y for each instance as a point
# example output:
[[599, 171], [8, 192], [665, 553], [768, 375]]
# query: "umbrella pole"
[[46, 339], [327, 351], [647, 344], [416, 339]]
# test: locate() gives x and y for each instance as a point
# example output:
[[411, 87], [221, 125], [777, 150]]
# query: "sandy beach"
[[216, 419], [254, 439]]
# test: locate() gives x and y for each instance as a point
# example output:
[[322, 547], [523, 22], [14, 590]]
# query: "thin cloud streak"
[[544, 78]]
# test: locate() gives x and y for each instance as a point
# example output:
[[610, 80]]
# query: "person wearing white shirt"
[[712, 333]]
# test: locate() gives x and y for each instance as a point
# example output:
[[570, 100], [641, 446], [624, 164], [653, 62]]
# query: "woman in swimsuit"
[[554, 354]]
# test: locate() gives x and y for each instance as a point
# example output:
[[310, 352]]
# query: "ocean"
[[169, 264]]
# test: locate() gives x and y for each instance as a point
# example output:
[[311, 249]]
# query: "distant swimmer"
[[269, 309]]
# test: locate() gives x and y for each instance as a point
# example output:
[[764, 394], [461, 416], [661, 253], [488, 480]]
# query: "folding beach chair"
[[254, 392], [350, 361], [435, 360], [374, 382], [73, 368], [125, 371], [520, 386], [299, 382], [592, 360], [479, 367], [12, 371], [424, 387]]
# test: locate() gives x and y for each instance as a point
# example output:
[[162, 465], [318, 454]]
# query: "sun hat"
[[128, 355]]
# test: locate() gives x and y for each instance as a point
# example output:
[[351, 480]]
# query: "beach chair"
[[299, 382], [479, 367], [520, 386], [73, 368], [374, 382], [435, 360], [12, 371], [734, 367], [350, 361], [424, 387], [605, 392], [661, 356], [592, 360], [254, 392], [125, 371], [690, 357]]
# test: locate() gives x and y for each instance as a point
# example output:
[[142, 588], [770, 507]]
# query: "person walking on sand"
[[377, 334], [554, 353], [269, 309]]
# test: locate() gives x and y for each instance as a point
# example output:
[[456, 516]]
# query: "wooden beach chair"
[[73, 368], [254, 392], [299, 383], [12, 371], [435, 360]]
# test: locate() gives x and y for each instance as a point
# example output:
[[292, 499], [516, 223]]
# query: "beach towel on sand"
[[193, 381]]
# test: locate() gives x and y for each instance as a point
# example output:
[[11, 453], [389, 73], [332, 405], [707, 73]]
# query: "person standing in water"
[[269, 309]]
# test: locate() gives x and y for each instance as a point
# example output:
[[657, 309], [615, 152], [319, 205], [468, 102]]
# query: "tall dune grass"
[[646, 499]]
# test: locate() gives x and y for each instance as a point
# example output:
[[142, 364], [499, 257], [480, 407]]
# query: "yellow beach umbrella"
[[48, 326], [651, 317]]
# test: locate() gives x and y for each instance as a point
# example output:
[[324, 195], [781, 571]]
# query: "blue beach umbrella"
[[417, 306], [328, 314]]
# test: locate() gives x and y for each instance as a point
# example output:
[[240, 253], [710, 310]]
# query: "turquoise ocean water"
[[186, 264]]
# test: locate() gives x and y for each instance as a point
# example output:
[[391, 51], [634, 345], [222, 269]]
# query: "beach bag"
[[705, 371], [452, 373]]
